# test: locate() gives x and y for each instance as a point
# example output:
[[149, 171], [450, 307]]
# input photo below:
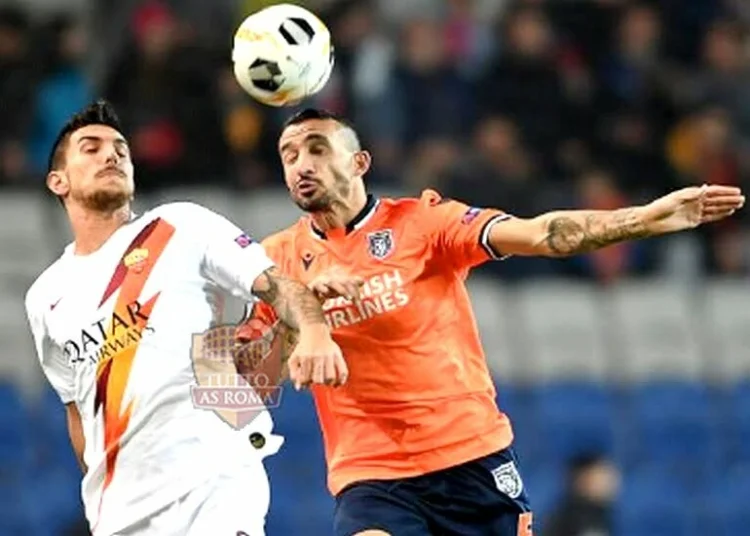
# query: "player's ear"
[[58, 183], [362, 161]]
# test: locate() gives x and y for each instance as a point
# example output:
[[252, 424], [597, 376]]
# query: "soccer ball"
[[282, 54]]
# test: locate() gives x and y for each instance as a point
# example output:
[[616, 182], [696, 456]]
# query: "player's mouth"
[[306, 187]]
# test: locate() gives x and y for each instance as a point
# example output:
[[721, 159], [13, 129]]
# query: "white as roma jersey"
[[116, 332]]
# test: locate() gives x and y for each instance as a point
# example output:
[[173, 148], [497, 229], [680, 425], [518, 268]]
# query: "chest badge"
[[380, 243], [136, 260]]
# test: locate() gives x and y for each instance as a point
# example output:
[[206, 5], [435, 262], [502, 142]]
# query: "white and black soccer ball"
[[282, 54]]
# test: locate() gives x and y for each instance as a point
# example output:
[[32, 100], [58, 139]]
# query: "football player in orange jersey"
[[415, 444]]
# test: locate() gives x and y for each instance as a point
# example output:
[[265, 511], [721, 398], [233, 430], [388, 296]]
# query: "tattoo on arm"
[[295, 304], [585, 231]]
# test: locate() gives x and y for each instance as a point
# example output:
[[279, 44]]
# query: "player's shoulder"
[[46, 285], [181, 211], [406, 206], [288, 236]]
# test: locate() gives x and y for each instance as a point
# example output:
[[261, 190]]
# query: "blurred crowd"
[[523, 105]]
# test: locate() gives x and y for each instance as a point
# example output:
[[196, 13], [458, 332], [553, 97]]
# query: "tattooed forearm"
[[295, 304], [577, 232]]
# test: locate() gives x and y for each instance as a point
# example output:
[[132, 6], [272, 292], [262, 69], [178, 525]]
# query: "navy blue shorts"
[[483, 497]]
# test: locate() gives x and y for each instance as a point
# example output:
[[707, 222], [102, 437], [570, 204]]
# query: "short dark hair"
[[311, 114], [99, 112]]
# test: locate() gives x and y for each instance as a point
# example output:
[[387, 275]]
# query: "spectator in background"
[[702, 148], [724, 79], [633, 105], [524, 84], [586, 508], [63, 87], [499, 171], [468, 36], [166, 89], [435, 100], [17, 78]]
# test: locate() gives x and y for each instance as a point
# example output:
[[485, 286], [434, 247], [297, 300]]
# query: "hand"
[[689, 207], [335, 284], [317, 359]]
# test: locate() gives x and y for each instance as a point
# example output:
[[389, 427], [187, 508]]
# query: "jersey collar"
[[358, 221]]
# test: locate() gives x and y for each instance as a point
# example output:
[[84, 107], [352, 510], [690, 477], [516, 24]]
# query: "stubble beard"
[[327, 198], [104, 200]]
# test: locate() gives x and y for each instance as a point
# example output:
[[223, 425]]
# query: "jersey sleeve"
[[54, 364], [459, 232], [231, 258]]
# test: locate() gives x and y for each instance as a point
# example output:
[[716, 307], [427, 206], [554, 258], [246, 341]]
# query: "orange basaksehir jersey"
[[419, 397]]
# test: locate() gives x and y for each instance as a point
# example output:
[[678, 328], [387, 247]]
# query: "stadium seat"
[[265, 211], [574, 418], [654, 327], [545, 483], [50, 432], [725, 323], [56, 496], [674, 422], [737, 420], [652, 502], [723, 507], [493, 307], [296, 414], [19, 362], [298, 483], [27, 232], [16, 514], [15, 445], [564, 334], [516, 402]]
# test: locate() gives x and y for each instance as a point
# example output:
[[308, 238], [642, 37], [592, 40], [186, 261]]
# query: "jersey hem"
[[469, 450]]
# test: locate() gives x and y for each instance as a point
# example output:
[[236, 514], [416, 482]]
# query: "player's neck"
[[91, 229], [340, 213]]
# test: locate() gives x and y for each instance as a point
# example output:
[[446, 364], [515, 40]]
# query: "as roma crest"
[[380, 243], [136, 260]]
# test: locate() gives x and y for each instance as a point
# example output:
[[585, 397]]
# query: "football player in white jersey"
[[116, 321]]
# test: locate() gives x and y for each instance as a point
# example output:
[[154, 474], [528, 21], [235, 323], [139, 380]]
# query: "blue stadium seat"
[[15, 441], [296, 413], [300, 460], [574, 418], [675, 423], [544, 485], [723, 511], [16, 508], [652, 502], [56, 494], [516, 402], [738, 420], [50, 435]]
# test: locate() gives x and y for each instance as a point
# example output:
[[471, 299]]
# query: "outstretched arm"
[[295, 304], [572, 232], [315, 358]]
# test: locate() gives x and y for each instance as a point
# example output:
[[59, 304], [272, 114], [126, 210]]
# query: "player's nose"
[[305, 166], [112, 156]]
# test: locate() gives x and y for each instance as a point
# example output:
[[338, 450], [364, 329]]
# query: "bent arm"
[[75, 431], [295, 304], [568, 232]]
